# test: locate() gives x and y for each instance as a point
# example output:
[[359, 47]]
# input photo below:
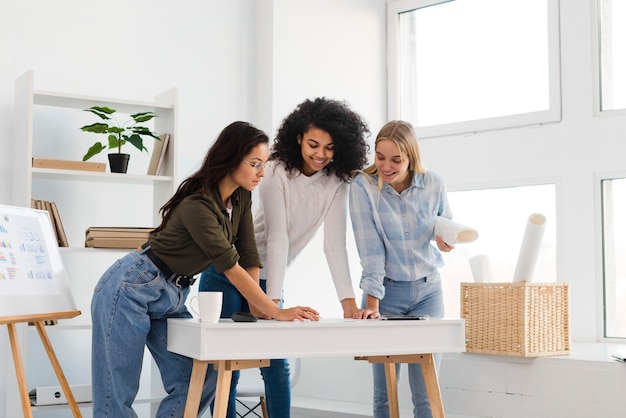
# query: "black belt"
[[179, 280]]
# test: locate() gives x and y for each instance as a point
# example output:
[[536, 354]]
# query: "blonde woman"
[[393, 206]]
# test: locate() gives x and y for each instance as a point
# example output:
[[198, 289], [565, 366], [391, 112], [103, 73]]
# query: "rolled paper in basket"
[[482, 269], [529, 251], [453, 233]]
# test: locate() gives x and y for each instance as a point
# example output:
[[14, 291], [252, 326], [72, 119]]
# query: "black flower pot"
[[118, 163]]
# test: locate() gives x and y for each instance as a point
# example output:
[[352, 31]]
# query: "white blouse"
[[290, 211]]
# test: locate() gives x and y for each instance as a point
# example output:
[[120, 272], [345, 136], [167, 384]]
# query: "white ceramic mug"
[[209, 306]]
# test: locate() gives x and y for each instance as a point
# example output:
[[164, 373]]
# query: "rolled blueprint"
[[453, 233], [529, 251], [482, 270]]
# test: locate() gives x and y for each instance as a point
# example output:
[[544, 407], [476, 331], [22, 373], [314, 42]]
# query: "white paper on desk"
[[529, 251], [482, 270], [453, 233]]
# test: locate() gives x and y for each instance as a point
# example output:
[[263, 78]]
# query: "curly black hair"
[[345, 127]]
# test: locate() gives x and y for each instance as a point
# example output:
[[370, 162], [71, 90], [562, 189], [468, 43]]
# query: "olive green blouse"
[[200, 233]]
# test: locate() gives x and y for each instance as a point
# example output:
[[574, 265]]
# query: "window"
[[466, 66], [500, 216], [612, 55], [614, 263]]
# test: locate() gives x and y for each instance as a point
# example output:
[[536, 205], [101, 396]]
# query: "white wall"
[[255, 60], [132, 50]]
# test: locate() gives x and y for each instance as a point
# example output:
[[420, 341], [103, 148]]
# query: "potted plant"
[[130, 131]]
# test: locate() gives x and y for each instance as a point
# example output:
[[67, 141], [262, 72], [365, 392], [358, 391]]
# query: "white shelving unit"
[[26, 178], [47, 125]]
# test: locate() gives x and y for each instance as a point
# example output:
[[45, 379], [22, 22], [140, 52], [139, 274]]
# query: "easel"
[[39, 321]]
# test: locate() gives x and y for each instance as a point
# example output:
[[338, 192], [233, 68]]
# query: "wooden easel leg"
[[196, 384], [19, 371], [392, 390], [57, 369]]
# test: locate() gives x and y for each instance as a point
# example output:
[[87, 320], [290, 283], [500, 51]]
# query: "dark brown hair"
[[234, 142]]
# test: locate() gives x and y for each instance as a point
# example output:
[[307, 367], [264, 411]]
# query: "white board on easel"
[[33, 280], [33, 288]]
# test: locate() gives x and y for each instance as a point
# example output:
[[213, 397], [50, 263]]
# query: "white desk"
[[227, 345]]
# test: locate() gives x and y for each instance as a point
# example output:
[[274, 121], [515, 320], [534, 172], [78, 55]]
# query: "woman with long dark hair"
[[208, 222]]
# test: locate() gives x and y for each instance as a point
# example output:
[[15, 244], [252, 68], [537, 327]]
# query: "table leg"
[[432, 385], [196, 383], [392, 390], [224, 376], [427, 361]]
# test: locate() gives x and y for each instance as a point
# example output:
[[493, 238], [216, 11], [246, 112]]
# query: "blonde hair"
[[405, 138]]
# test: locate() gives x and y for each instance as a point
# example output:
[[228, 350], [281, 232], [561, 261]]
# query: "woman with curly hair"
[[316, 153]]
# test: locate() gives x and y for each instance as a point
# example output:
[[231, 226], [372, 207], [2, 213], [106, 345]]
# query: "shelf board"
[[47, 98], [51, 173]]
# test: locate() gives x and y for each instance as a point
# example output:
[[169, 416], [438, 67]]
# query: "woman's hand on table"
[[298, 313], [366, 314]]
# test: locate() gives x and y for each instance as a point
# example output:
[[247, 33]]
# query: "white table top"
[[228, 340]]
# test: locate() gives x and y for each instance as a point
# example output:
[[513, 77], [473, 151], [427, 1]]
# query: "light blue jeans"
[[423, 296], [276, 376], [130, 307]]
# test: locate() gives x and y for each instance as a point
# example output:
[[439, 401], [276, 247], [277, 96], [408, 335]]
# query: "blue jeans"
[[276, 376], [423, 296], [130, 307]]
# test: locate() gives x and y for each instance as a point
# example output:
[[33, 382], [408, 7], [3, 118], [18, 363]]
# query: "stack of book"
[[116, 237], [55, 219]]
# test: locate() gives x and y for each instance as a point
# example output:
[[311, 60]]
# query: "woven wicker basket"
[[516, 319]]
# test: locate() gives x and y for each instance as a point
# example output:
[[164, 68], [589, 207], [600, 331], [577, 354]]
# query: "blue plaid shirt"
[[393, 231]]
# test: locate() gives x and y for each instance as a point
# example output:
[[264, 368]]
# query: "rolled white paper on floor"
[[453, 233], [482, 270], [529, 251]]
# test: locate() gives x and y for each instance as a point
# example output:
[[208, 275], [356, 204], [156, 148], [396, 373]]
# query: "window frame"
[[596, 25], [599, 221], [551, 115]]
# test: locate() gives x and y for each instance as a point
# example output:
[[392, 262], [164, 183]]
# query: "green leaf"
[[115, 130], [97, 128], [101, 111], [115, 142], [142, 130], [137, 142], [143, 116], [95, 149]]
